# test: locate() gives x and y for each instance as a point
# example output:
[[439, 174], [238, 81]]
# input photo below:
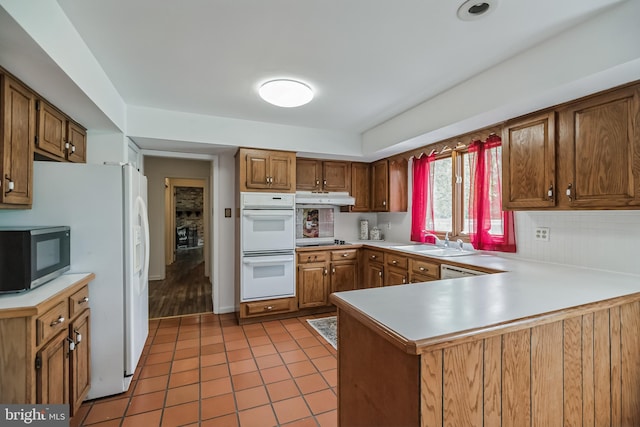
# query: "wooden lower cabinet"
[[267, 307], [579, 368], [313, 285], [52, 371], [45, 353], [373, 269], [395, 276]]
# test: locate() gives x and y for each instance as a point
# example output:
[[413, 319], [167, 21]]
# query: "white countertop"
[[35, 296], [527, 289]]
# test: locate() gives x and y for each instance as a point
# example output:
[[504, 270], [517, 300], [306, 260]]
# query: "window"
[[460, 192]]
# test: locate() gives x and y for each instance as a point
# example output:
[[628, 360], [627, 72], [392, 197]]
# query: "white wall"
[[224, 236], [106, 147], [347, 225]]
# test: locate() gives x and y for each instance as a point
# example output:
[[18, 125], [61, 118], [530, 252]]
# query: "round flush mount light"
[[475, 9], [286, 93]]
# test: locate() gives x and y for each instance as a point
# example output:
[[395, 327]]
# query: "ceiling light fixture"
[[474, 9], [286, 93]]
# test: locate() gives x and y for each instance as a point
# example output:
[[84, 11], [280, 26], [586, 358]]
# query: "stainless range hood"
[[331, 198]]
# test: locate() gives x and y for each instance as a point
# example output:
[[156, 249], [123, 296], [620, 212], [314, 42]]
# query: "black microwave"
[[32, 256]]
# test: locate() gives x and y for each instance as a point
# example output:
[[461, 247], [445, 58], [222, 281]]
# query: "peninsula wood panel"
[[579, 371]]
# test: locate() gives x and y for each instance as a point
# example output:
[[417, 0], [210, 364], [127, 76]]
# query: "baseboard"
[[158, 277], [227, 309]]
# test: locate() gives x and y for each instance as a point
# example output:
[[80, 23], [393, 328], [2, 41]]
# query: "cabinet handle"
[[72, 345], [325, 271], [404, 280], [10, 184], [271, 179], [394, 262], [317, 182], [569, 189], [372, 257], [84, 300], [78, 336], [380, 273], [57, 322], [73, 148], [66, 145], [345, 254], [324, 182], [268, 308], [550, 192], [384, 203], [421, 269], [333, 270]]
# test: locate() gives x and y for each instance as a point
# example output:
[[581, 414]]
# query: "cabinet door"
[[257, 170], [80, 367], [336, 176], [602, 143], [52, 130], [344, 276], [312, 285], [374, 275], [77, 138], [52, 377], [282, 171], [308, 174], [395, 276], [18, 132], [529, 162], [379, 186], [361, 186], [397, 190], [419, 278]]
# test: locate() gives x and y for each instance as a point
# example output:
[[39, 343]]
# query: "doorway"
[[186, 287]]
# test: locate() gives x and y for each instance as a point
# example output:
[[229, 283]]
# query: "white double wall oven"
[[267, 236]]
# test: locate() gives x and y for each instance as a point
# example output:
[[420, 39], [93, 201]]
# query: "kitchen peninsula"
[[539, 344]]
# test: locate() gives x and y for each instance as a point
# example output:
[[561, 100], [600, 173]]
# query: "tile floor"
[[206, 370]]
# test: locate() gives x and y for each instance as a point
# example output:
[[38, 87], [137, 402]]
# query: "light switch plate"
[[542, 233]]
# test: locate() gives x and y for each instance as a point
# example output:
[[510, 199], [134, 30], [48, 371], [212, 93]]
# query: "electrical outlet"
[[542, 233]]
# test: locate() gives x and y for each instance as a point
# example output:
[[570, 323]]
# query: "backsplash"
[[607, 240]]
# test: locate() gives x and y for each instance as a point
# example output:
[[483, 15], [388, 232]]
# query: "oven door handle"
[[269, 214], [267, 260]]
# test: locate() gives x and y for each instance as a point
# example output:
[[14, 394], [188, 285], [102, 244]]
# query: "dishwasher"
[[452, 272]]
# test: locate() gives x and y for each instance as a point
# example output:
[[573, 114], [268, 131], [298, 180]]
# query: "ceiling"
[[367, 60]]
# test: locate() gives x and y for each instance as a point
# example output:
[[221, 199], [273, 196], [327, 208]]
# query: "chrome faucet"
[[426, 233], [446, 240], [460, 244]]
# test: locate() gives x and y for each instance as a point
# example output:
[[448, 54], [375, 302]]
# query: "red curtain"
[[491, 228], [422, 200]]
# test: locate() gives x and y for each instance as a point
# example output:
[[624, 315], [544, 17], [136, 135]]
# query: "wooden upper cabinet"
[[336, 176], [389, 189], [17, 106], [57, 136], [266, 170], [529, 162], [361, 187], [319, 175], [52, 129], [308, 174], [600, 160], [77, 143]]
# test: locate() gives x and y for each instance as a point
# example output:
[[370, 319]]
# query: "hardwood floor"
[[185, 289]]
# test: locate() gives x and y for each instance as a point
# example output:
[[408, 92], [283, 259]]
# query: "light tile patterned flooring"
[[205, 370]]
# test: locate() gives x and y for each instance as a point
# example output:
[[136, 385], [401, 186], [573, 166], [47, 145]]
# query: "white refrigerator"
[[105, 206]]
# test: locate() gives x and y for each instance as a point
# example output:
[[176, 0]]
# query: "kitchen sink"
[[433, 250]]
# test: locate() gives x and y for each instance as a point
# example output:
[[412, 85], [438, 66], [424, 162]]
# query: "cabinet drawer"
[[419, 278], [372, 255], [78, 301], [309, 257], [51, 322], [395, 260], [344, 254], [273, 306], [425, 267]]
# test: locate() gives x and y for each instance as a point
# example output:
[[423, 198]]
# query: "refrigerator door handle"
[[145, 225]]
